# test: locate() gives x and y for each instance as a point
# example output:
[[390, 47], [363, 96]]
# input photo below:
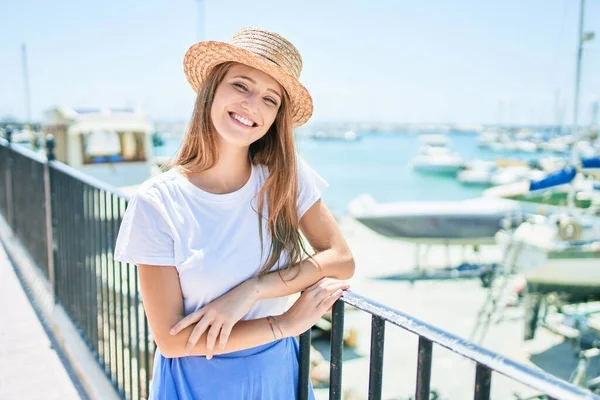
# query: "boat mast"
[[200, 22], [26, 84], [582, 37]]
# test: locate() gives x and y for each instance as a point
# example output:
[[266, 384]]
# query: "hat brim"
[[202, 57]]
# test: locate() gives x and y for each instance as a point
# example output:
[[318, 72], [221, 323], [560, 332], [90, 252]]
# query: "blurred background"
[[459, 139]]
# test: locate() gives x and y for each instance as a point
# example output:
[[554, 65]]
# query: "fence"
[[69, 222]]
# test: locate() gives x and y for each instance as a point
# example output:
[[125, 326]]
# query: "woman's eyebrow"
[[253, 81]]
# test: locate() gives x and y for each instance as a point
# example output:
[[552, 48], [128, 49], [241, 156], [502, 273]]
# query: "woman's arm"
[[163, 304], [332, 259]]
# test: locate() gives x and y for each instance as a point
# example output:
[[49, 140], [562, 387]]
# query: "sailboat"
[[576, 181], [559, 253]]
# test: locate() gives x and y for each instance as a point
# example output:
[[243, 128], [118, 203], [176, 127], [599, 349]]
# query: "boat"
[[555, 188], [501, 172], [471, 222], [513, 174], [436, 158], [346, 136], [113, 145], [557, 254], [478, 173]]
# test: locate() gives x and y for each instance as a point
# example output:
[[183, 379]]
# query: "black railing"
[[24, 202], [69, 222], [486, 360], [49, 202], [100, 294]]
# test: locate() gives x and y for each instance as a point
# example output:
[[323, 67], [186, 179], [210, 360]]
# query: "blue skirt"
[[267, 372]]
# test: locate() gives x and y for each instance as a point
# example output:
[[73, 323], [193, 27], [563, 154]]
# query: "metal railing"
[[46, 202], [69, 222], [486, 361]]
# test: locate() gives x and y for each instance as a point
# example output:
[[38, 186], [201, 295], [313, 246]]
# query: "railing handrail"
[[67, 169], [24, 151], [89, 180], [534, 378]]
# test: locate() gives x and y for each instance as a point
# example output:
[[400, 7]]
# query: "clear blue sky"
[[464, 61]]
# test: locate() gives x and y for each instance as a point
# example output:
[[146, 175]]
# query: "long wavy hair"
[[275, 150]]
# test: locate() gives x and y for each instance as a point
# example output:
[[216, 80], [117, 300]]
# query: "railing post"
[[376, 362], [8, 180], [483, 380], [424, 369], [304, 372], [48, 202], [337, 351]]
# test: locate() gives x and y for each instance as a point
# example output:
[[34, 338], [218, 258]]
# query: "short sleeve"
[[310, 187], [144, 235]]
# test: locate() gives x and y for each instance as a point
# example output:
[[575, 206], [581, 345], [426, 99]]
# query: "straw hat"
[[260, 49]]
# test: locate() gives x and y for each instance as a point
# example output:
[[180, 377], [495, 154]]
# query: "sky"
[[426, 61]]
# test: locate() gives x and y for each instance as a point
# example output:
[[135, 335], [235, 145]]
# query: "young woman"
[[217, 238]]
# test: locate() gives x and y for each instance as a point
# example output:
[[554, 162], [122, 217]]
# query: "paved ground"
[[29, 367]]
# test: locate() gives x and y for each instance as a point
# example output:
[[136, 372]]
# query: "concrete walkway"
[[30, 368]]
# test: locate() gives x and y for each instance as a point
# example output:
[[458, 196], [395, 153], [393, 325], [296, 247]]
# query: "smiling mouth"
[[242, 121]]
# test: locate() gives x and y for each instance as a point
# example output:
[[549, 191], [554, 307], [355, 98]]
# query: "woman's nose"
[[250, 102]]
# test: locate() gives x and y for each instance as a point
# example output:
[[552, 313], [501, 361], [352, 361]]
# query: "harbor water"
[[379, 164]]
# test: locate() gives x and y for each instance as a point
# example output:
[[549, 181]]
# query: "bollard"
[[50, 145], [9, 132]]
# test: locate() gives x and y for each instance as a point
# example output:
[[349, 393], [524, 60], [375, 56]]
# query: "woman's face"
[[245, 105]]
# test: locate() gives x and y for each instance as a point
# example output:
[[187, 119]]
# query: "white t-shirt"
[[212, 239]]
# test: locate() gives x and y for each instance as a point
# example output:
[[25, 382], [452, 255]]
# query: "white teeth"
[[243, 120]]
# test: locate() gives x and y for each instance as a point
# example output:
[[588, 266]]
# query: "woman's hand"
[[220, 315], [311, 305]]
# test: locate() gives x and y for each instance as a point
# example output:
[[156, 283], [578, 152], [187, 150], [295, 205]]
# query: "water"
[[379, 164]]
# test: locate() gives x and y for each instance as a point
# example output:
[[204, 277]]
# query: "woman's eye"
[[240, 86], [271, 100]]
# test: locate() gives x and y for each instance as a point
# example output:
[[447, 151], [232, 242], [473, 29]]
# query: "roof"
[[83, 120]]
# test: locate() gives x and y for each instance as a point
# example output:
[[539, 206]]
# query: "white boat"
[[437, 140], [23, 136], [514, 174], [559, 252], [569, 178], [473, 221], [556, 253], [559, 145], [526, 146], [346, 136], [478, 173], [436, 158], [488, 173], [112, 145]]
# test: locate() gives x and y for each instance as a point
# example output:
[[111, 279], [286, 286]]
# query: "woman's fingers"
[[187, 321], [321, 296], [196, 334], [326, 283], [334, 286], [329, 301], [329, 289], [224, 337], [211, 338]]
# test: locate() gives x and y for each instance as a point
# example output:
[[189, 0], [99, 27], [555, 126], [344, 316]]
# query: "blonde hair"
[[275, 150]]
